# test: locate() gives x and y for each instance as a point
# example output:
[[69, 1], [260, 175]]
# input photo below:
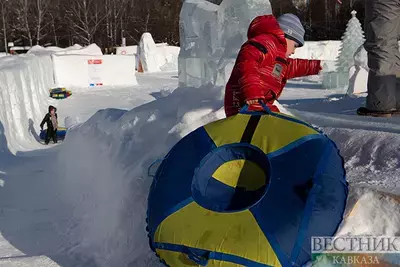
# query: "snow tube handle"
[[152, 165], [201, 260], [245, 108], [265, 107]]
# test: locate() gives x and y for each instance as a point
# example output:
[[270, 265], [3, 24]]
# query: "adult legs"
[[382, 27]]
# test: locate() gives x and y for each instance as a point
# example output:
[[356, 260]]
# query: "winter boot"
[[374, 113]]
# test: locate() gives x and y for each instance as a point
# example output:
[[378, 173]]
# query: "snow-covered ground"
[[83, 202], [369, 145], [41, 221]]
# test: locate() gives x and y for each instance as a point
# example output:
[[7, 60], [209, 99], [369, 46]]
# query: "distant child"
[[52, 125], [263, 65]]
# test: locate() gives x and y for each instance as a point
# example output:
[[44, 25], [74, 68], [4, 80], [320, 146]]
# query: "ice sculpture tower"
[[211, 36]]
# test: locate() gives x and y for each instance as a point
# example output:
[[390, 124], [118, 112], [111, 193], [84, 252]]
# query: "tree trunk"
[[108, 29], [87, 27], [3, 16], [54, 31], [39, 20], [26, 20], [115, 25], [146, 29], [122, 29]]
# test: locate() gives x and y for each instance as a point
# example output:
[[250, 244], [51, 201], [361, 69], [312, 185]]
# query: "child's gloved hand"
[[252, 101]]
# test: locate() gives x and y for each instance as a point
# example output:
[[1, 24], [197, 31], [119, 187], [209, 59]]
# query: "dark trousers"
[[51, 134], [382, 31]]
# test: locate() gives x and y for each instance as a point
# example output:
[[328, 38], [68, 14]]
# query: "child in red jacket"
[[263, 65]]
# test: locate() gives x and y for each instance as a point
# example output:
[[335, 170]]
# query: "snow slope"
[[83, 104], [108, 185], [25, 81], [24, 89], [123, 144], [369, 145], [39, 222]]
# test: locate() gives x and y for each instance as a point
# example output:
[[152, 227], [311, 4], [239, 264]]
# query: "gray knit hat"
[[292, 27]]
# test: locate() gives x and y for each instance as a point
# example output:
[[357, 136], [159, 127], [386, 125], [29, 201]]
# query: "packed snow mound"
[[368, 145], [24, 100], [76, 49], [113, 150], [38, 50], [148, 53], [109, 183], [167, 55], [92, 49], [371, 157], [371, 212]]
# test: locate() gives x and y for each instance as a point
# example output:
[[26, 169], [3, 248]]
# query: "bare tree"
[[22, 10], [42, 8], [115, 16], [3, 6], [53, 27], [108, 21], [65, 22], [119, 11], [85, 17]]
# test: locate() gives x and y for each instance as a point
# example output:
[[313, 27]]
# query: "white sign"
[[10, 44], [95, 72]]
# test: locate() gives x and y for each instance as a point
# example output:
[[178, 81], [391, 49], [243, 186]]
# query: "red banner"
[[95, 61]]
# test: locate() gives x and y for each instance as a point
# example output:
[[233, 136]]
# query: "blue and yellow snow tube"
[[61, 133], [249, 190], [60, 93]]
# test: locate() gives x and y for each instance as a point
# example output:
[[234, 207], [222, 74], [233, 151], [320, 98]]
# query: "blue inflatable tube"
[[61, 133], [249, 190]]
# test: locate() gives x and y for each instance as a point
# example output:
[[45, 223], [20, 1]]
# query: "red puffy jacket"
[[262, 69]]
